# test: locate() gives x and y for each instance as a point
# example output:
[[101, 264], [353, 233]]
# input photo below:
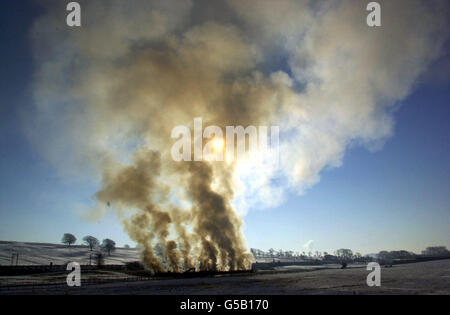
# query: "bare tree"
[[344, 253], [68, 239], [91, 241], [108, 245]]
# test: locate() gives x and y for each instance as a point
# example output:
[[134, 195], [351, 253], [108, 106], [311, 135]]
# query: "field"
[[58, 254], [431, 277]]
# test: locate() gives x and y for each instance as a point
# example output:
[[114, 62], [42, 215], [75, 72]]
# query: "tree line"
[[316, 255], [347, 254], [92, 242]]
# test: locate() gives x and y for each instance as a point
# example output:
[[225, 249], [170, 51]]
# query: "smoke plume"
[[108, 94]]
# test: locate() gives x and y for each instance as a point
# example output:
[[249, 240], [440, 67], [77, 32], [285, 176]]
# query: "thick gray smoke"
[[109, 93]]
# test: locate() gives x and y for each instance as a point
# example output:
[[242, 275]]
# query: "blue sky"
[[394, 198]]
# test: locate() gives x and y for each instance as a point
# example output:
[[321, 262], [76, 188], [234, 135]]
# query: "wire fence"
[[35, 286]]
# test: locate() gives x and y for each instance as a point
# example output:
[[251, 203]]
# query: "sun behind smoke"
[[218, 144]]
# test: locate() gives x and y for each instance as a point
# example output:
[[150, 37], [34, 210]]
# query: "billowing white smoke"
[[112, 90]]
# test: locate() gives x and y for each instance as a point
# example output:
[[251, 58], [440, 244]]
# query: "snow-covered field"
[[43, 254], [430, 277]]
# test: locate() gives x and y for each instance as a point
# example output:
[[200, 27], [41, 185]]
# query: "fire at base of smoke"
[[215, 241]]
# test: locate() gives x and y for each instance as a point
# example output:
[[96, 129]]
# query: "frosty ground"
[[417, 278], [58, 254]]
